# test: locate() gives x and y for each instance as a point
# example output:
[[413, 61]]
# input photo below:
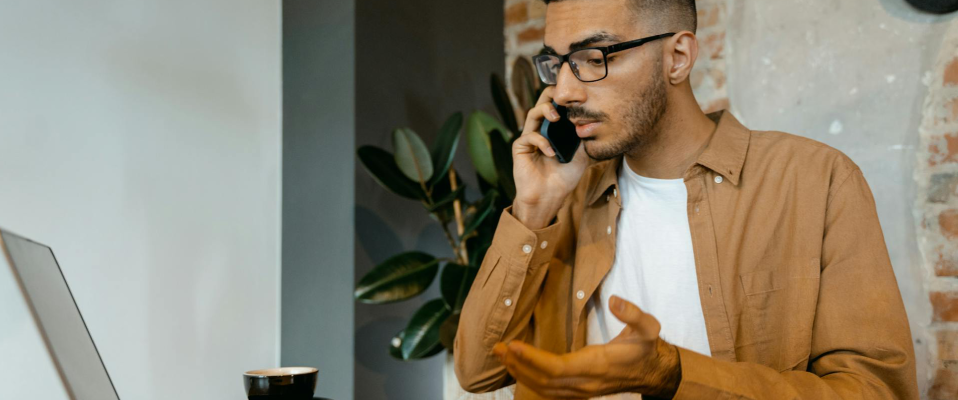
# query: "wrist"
[[534, 215], [669, 371]]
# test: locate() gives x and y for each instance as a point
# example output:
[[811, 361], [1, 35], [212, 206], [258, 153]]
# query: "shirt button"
[[718, 178], [580, 295], [527, 249], [608, 230], [615, 192], [508, 302], [608, 198], [544, 244], [696, 208]]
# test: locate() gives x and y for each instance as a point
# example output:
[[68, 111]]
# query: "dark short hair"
[[672, 15]]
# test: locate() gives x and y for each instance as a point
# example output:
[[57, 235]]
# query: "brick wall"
[[937, 174]]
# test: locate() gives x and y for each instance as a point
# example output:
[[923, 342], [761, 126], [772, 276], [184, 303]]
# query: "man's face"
[[616, 114]]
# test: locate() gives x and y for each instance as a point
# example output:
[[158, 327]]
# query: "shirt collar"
[[725, 155]]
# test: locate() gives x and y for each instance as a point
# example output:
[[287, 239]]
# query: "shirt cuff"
[[515, 242], [700, 374]]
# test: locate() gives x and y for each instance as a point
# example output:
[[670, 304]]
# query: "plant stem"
[[452, 242], [460, 226]]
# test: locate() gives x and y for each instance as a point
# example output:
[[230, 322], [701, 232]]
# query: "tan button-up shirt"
[[797, 289]]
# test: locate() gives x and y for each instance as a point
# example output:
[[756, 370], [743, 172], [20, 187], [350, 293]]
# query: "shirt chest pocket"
[[760, 331], [777, 315], [765, 296], [758, 285]]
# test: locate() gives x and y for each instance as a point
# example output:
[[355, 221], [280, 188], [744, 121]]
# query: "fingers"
[[546, 373], [500, 350], [546, 96], [536, 114], [550, 364], [643, 324], [531, 143]]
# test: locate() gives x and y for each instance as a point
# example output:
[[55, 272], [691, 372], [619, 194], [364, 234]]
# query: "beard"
[[645, 109]]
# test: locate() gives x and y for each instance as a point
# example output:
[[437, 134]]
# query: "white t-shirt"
[[654, 266]]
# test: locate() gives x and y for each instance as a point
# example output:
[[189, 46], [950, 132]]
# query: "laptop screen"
[[59, 319]]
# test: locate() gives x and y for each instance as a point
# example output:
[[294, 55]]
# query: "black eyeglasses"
[[588, 64]]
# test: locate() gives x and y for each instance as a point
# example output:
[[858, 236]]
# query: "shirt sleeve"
[[500, 303], [861, 343]]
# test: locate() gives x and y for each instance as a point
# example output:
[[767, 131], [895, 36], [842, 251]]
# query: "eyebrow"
[[600, 36]]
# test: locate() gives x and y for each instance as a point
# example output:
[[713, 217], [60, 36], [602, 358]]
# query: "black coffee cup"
[[290, 383]]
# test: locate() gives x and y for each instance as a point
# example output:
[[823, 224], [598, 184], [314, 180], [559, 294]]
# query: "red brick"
[[531, 35], [951, 73], [945, 385], [708, 17], [718, 76], [945, 265], [944, 306], [714, 45], [948, 345], [517, 14], [951, 111], [537, 10], [948, 223], [943, 149]]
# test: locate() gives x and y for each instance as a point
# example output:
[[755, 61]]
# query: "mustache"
[[582, 113]]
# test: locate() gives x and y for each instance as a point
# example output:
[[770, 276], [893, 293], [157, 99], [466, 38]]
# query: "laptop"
[[57, 317]]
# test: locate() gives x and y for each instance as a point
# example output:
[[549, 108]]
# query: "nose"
[[569, 89]]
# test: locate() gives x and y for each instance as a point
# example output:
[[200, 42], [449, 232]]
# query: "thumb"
[[642, 323]]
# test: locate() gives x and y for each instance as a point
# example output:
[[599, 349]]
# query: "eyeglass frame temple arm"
[[635, 43]]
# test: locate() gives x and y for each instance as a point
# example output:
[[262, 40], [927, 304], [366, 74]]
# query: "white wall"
[[141, 140], [849, 74]]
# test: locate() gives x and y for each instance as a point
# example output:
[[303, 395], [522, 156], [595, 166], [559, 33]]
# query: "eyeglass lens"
[[587, 64]]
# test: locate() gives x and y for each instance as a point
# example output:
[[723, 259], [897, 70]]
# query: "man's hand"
[[542, 183], [636, 361]]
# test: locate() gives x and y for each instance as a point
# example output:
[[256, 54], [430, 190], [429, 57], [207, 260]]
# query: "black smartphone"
[[561, 135]]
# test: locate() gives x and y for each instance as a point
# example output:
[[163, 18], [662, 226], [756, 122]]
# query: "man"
[[678, 255]]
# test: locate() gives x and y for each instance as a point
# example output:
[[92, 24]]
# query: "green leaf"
[[454, 284], [483, 185], [435, 350], [447, 199], [382, 166], [398, 278], [503, 104], [478, 246], [478, 128], [483, 209], [412, 156], [421, 336], [441, 191], [531, 81], [502, 157], [444, 149]]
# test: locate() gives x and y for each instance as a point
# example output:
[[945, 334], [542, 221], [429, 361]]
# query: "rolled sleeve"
[[501, 301], [513, 239]]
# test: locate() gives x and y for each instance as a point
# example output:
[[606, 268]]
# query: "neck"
[[681, 136]]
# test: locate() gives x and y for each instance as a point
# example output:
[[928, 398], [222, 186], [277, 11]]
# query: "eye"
[[595, 61]]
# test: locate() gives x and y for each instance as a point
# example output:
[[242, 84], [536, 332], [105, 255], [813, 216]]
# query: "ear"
[[680, 56]]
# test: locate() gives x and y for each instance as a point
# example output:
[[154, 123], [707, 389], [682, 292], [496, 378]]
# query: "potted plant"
[[424, 173]]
